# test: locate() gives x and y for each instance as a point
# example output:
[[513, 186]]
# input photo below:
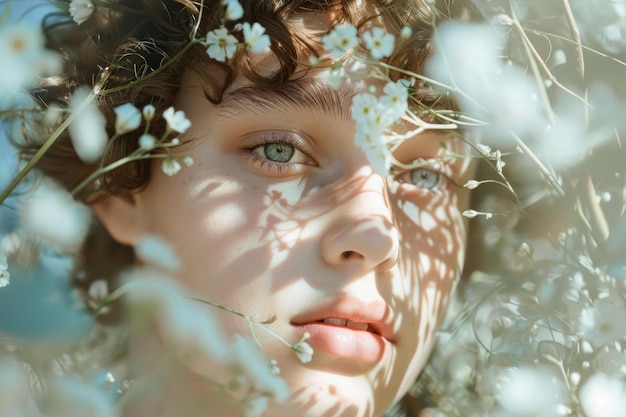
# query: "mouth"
[[335, 321]]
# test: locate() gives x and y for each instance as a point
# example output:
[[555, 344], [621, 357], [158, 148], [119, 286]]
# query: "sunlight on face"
[[282, 215]]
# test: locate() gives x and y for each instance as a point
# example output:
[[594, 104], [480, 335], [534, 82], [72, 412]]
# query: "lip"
[[348, 342]]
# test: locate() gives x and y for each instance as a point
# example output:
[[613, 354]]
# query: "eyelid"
[[299, 141]]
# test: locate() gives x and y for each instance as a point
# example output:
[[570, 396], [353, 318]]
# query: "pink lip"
[[346, 342]]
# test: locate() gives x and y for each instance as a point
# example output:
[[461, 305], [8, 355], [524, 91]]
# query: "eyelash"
[[271, 138]]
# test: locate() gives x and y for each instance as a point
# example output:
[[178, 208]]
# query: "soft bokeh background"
[[39, 302]]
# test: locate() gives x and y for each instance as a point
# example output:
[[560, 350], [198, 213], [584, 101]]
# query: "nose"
[[361, 231]]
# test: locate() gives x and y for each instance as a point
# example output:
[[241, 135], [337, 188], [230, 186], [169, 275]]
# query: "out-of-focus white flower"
[[81, 10], [147, 142], [234, 10], [176, 120], [406, 33], [189, 329], [303, 350], [530, 392], [221, 44], [255, 407], [127, 118], [4, 271], [15, 395], [88, 130], [259, 370], [50, 213], [603, 396], [170, 166], [255, 37], [73, 398], [98, 292], [24, 58], [340, 40], [379, 42], [395, 100], [599, 324], [156, 251], [148, 112]]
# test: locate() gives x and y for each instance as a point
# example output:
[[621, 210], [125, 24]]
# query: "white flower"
[[127, 118], [303, 350], [259, 370], [379, 42], [365, 109], [98, 292], [255, 37], [221, 44], [406, 32], [176, 121], [598, 323], [24, 58], [81, 10], [234, 10], [155, 251], [603, 396], [4, 271], [470, 214], [50, 213], [147, 142], [148, 112], [395, 100], [185, 325], [170, 166], [530, 392], [340, 40], [255, 407], [87, 131]]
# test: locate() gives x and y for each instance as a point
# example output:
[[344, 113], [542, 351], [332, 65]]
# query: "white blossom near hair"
[[221, 44], [147, 142], [155, 251], [81, 10], [24, 58], [379, 42], [597, 321], [88, 129], [234, 11], [170, 166], [176, 120], [255, 37], [127, 118], [603, 396], [148, 112], [51, 214], [4, 271], [530, 392], [340, 40]]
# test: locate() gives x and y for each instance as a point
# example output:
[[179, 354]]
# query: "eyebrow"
[[307, 95]]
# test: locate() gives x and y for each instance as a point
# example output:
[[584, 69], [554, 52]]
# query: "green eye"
[[278, 152], [425, 178]]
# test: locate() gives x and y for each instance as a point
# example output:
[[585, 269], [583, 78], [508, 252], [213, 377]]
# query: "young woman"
[[281, 215]]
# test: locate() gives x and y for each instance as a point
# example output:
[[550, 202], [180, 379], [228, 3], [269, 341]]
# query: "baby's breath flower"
[[303, 350], [470, 214], [176, 121], [127, 118], [379, 42], [188, 160], [255, 37], [340, 40], [395, 99], [87, 131], [81, 10], [364, 108], [234, 11], [147, 142], [170, 166], [4, 271], [148, 112], [603, 396], [406, 33], [221, 44]]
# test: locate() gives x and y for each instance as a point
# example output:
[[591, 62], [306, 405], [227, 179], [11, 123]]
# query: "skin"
[[287, 239]]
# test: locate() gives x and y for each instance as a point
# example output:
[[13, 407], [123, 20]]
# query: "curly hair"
[[145, 47]]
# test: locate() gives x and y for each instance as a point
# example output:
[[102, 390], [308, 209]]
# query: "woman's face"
[[281, 215]]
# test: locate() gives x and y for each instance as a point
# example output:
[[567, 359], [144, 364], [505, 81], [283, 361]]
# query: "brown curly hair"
[[144, 48]]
